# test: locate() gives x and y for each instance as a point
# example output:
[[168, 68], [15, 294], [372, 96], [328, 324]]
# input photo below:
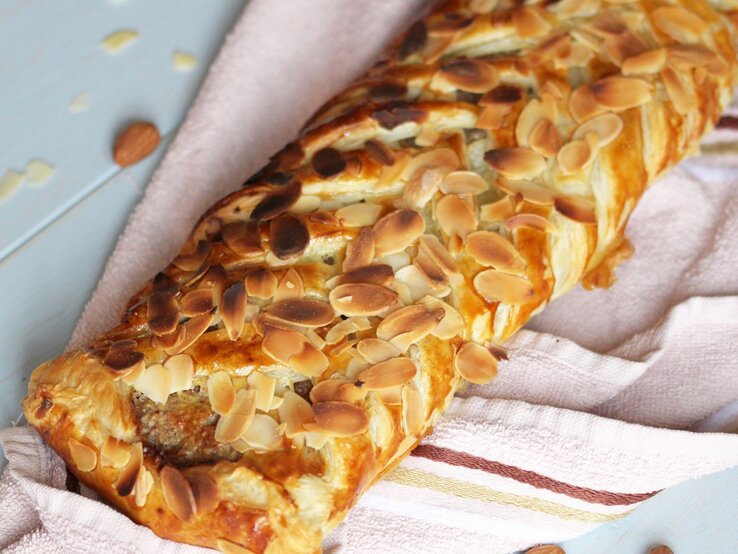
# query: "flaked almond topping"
[[390, 397], [326, 390], [306, 204], [413, 413], [451, 324], [306, 313], [443, 160], [496, 286], [503, 95], [582, 105], [294, 412], [388, 374], [230, 427], [455, 216], [124, 344], [544, 139], [215, 280], [293, 350], [528, 22], [492, 117], [687, 57], [463, 182], [170, 342], [409, 325], [340, 331], [290, 286], [129, 475], [288, 236], [467, 74], [645, 63], [233, 309], [620, 93], [574, 156], [196, 302], [421, 187], [534, 112], [623, 46], [392, 173], [262, 434], [676, 90], [376, 351], [530, 221], [680, 24], [577, 55], [411, 283], [278, 201], [586, 38], [162, 313], [328, 162], [194, 328], [360, 251], [123, 362], [497, 351], [154, 383], [359, 215], [340, 419], [114, 453], [362, 299], [177, 493], [227, 547], [181, 371], [498, 211], [431, 273], [264, 387], [205, 491], [529, 191], [221, 393], [515, 163], [380, 152], [397, 112], [432, 247], [396, 231], [376, 274], [243, 238], [316, 339], [475, 363], [552, 89], [261, 283], [193, 260], [577, 209], [493, 250], [428, 136], [351, 393], [607, 127], [84, 457]]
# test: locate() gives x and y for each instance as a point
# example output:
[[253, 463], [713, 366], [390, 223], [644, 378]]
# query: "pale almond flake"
[[84, 457], [154, 383], [493, 250], [607, 127], [114, 453], [646, 63], [221, 393], [496, 286], [678, 23], [530, 221], [497, 211], [375, 350], [340, 419], [413, 412], [290, 286], [527, 190], [181, 371], [577, 209], [388, 374], [177, 493], [264, 387], [409, 325], [293, 413], [230, 427], [455, 216], [262, 434], [463, 182], [359, 215], [294, 350], [475, 363]]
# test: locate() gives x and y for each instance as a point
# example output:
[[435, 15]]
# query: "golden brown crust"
[[426, 213]]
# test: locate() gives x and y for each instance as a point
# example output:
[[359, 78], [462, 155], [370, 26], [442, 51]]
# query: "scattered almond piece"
[[38, 173], [135, 143], [80, 103], [117, 41], [546, 549], [9, 183], [182, 61]]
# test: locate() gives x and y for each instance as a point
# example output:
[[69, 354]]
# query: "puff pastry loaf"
[[318, 320]]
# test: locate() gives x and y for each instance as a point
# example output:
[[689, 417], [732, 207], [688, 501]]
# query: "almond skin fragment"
[[135, 143]]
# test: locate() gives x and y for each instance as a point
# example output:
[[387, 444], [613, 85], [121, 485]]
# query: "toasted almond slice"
[[264, 387], [467, 74], [515, 163], [194, 328], [676, 90], [532, 114], [261, 283], [455, 216], [194, 258], [306, 313], [577, 209], [128, 476], [622, 46], [492, 117], [328, 162], [493, 250], [427, 136], [221, 393], [359, 215], [475, 363], [380, 152], [205, 491], [680, 24], [278, 201], [413, 412], [432, 247], [607, 127], [645, 63], [288, 236], [350, 393], [168, 342], [362, 299], [582, 105], [421, 187], [528, 190], [227, 547], [290, 286], [496, 286], [326, 390], [340, 419], [124, 344], [243, 238], [340, 331], [620, 93], [276, 403], [531, 221], [376, 351], [316, 339], [408, 325], [84, 457], [397, 230], [233, 309], [574, 156], [294, 350], [390, 397], [142, 487], [177, 493], [376, 274], [360, 251], [306, 204], [392, 173], [497, 211], [114, 453], [388, 374], [444, 160], [215, 280], [123, 362], [196, 302], [396, 261], [528, 22], [293, 413], [451, 324], [544, 139], [463, 182], [154, 383], [497, 351], [411, 284], [181, 371], [230, 427], [162, 313], [262, 434]]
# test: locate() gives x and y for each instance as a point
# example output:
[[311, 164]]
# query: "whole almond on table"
[[546, 549], [136, 142]]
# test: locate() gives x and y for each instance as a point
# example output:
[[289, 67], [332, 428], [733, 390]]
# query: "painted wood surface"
[[54, 240]]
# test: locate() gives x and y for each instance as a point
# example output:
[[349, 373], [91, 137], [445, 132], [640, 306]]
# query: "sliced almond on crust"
[[360, 251], [421, 187], [162, 313], [620, 93], [264, 387], [577, 209], [305, 313], [194, 258], [244, 238], [432, 247], [196, 302], [409, 325], [645, 63], [582, 105], [340, 331], [194, 328], [290, 286], [84, 457], [262, 434], [497, 211], [451, 324], [397, 230], [676, 90], [574, 156], [680, 24], [230, 427], [531, 221], [326, 390], [413, 412], [463, 182], [376, 351], [391, 373], [340, 419], [362, 299], [528, 22], [261, 283], [475, 363], [496, 286], [228, 547], [123, 361], [528, 190], [128, 476], [114, 453], [455, 216], [532, 114], [154, 383], [544, 139], [221, 393], [493, 250], [467, 74], [293, 350], [288, 236], [294, 412], [607, 127], [205, 491], [177, 493], [444, 160], [375, 274], [181, 371], [359, 215], [515, 163], [233, 309]]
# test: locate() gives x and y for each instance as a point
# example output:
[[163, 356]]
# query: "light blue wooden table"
[[55, 239]]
